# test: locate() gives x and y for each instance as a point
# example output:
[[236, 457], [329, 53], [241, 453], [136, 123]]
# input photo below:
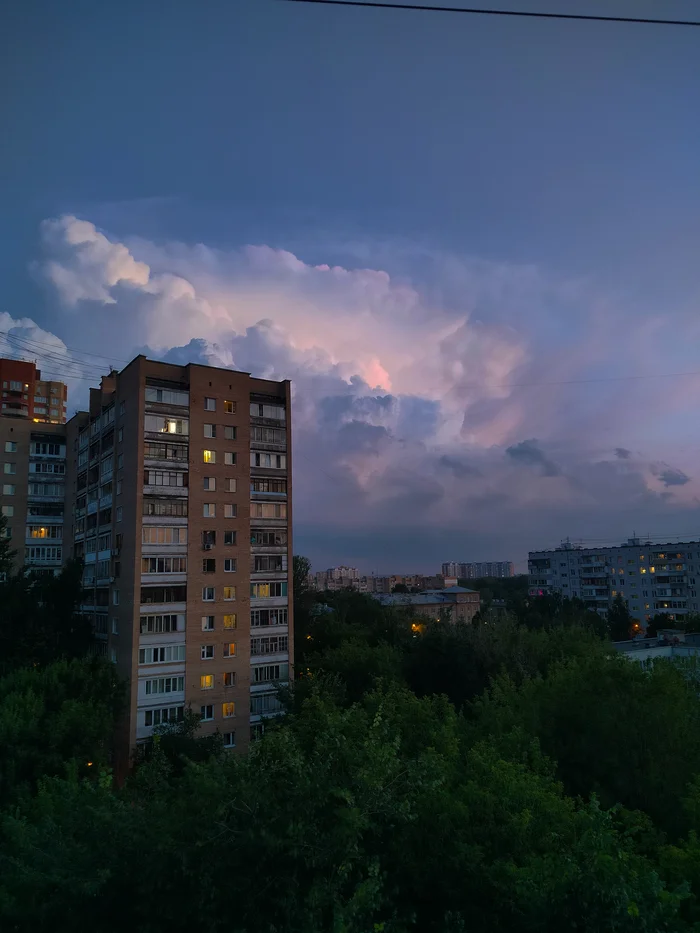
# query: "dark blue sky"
[[537, 178]]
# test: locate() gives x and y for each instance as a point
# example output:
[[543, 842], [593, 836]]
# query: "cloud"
[[411, 396], [669, 476], [529, 453]]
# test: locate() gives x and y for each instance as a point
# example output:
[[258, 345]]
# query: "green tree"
[[7, 554], [619, 620]]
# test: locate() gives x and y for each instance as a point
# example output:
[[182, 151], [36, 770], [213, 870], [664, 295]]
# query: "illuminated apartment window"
[[206, 681], [209, 456], [230, 650], [228, 710], [229, 620], [229, 592], [230, 408]]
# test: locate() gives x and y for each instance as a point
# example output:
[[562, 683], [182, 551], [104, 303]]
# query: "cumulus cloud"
[[411, 402]]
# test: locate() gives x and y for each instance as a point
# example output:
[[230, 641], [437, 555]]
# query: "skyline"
[[473, 253]]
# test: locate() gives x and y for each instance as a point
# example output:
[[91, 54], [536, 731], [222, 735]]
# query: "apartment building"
[[27, 396], [181, 482], [474, 570], [652, 578], [455, 604]]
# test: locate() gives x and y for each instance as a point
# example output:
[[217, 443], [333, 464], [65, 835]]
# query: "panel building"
[[181, 482], [473, 570], [33, 449], [652, 578]]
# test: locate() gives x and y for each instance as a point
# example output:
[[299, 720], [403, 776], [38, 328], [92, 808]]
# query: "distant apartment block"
[[455, 604], [652, 578], [180, 492], [474, 570], [27, 396], [330, 580]]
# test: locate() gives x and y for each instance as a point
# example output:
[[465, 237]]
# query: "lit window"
[[210, 483], [207, 652], [210, 430], [207, 623], [230, 650], [230, 408], [208, 510], [229, 592], [229, 739], [228, 710], [230, 620], [206, 713], [206, 681], [230, 679], [210, 404], [209, 456], [230, 458], [208, 594], [652, 570]]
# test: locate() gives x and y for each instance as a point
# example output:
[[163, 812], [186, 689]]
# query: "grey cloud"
[[460, 468], [622, 453], [669, 476], [529, 453]]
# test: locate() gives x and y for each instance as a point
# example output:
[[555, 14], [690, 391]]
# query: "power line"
[[479, 12]]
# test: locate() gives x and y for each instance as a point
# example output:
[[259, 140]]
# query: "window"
[[156, 717], [160, 685], [268, 509], [153, 450], [230, 510], [264, 703], [275, 486], [162, 654], [230, 650], [106, 466], [209, 483], [163, 565], [230, 485], [230, 458], [206, 713], [228, 710], [208, 594], [10, 447], [230, 565], [229, 739], [160, 424], [269, 673], [230, 679], [172, 508], [206, 681], [229, 592], [164, 478], [209, 456], [262, 617], [10, 468], [120, 435], [207, 652], [208, 510], [229, 433], [267, 411], [207, 623], [268, 461], [209, 404], [230, 620], [163, 594], [154, 625], [210, 430], [273, 538], [275, 436], [230, 408], [164, 534], [269, 644], [229, 537], [273, 562], [208, 565], [167, 396], [120, 512], [208, 539], [8, 489], [122, 408], [268, 590]]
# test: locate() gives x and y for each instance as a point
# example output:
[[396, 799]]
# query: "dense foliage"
[[516, 775]]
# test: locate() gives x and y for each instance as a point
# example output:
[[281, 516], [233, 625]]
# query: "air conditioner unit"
[[207, 547]]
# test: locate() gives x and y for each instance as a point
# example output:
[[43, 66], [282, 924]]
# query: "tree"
[[7, 554], [619, 620], [400, 588]]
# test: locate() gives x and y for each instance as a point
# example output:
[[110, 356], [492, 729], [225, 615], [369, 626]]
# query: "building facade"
[[456, 604], [474, 570], [180, 484], [652, 578], [27, 396]]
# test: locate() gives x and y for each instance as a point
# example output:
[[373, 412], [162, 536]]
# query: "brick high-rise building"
[[27, 396], [181, 479]]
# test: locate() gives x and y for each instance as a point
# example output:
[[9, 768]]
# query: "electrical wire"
[[481, 12]]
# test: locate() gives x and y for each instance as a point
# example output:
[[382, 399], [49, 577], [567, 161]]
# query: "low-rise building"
[[455, 604]]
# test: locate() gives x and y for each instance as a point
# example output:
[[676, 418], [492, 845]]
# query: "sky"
[[472, 243]]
